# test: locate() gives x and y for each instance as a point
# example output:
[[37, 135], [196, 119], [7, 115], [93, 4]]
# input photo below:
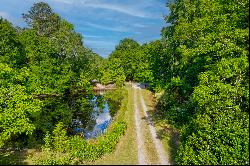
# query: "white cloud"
[[122, 7], [100, 42], [117, 28], [17, 21], [117, 7], [139, 25], [91, 36], [13, 20], [65, 1]]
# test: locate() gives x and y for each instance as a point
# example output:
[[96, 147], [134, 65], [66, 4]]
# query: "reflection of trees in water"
[[74, 110], [114, 106], [86, 113], [62, 108], [97, 108], [100, 103]]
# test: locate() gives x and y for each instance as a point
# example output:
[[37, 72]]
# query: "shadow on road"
[[173, 142], [172, 135]]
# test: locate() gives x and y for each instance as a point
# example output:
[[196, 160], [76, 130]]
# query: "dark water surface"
[[100, 119]]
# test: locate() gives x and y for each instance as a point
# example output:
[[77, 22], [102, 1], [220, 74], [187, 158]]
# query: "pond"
[[100, 119]]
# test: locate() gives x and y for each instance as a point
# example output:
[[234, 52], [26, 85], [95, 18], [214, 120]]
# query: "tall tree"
[[42, 19], [126, 51]]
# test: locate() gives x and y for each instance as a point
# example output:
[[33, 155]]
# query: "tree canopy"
[[208, 93], [43, 68]]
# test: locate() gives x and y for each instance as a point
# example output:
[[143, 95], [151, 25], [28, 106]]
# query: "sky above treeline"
[[102, 23]]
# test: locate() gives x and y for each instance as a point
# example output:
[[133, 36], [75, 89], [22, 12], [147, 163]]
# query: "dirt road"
[[158, 147]]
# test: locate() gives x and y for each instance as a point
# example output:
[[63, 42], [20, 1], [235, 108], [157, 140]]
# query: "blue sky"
[[102, 23]]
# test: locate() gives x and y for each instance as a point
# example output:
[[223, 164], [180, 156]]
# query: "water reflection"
[[99, 122]]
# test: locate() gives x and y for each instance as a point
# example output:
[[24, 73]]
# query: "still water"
[[101, 119]]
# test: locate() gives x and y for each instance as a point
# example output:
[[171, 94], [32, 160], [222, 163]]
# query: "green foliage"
[[155, 64], [124, 45], [11, 50], [91, 150], [16, 106], [59, 138], [144, 63], [42, 19], [207, 93], [47, 141], [125, 56], [112, 71], [220, 129], [201, 63]]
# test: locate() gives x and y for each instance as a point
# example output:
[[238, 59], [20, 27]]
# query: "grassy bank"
[[125, 152]]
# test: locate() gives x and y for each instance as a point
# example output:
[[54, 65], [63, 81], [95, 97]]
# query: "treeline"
[[45, 74], [201, 64], [131, 61]]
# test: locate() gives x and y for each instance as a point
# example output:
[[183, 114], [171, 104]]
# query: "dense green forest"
[[200, 65]]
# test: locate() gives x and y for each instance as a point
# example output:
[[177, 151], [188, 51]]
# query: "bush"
[[219, 131], [60, 139]]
